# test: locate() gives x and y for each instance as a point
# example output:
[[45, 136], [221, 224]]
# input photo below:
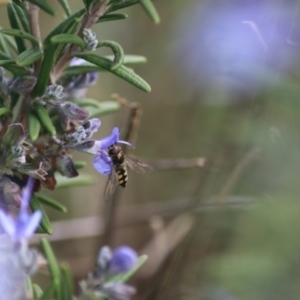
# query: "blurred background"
[[225, 88]]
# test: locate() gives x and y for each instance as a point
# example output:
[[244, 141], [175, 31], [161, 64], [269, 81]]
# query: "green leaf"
[[14, 135], [121, 4], [5, 110], [28, 57], [53, 265], [49, 291], [123, 277], [23, 17], [4, 46], [117, 50], [150, 10], [122, 72], [102, 108], [79, 164], [51, 203], [65, 38], [37, 291], [65, 6], [45, 6], [13, 20], [112, 17], [61, 27], [6, 62], [45, 223], [34, 126], [44, 74], [11, 43], [22, 35], [130, 59], [82, 179], [67, 285], [44, 118]]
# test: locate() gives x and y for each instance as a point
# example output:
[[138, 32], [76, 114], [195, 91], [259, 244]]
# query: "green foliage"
[[28, 57], [150, 10], [65, 38], [122, 72]]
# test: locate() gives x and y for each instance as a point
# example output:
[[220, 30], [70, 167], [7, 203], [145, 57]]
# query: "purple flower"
[[102, 162], [123, 259], [25, 225]]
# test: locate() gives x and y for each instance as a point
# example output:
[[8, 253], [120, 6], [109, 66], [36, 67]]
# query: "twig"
[[134, 118], [90, 18], [130, 135], [33, 16], [171, 164]]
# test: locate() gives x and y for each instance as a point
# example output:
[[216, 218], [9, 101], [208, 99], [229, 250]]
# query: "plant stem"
[[89, 19], [33, 14]]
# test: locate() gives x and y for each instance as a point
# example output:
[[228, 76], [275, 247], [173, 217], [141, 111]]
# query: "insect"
[[118, 175]]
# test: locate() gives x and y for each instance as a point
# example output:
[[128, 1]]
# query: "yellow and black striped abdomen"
[[122, 175]]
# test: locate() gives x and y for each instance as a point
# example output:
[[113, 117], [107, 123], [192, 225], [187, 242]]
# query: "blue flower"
[[25, 225], [102, 161], [123, 259]]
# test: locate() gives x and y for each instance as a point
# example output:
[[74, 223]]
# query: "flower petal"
[[26, 193], [102, 164], [7, 223], [111, 139], [32, 224]]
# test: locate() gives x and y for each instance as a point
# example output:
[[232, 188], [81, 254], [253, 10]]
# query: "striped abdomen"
[[122, 174]]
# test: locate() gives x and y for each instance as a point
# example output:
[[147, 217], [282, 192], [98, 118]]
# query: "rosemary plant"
[[44, 118]]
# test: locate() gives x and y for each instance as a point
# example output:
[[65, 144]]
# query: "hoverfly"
[[118, 175]]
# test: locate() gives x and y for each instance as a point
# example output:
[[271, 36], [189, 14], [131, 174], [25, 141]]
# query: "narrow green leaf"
[[104, 108], [123, 277], [112, 17], [51, 203], [14, 69], [65, 6], [150, 10], [65, 38], [122, 72], [34, 126], [37, 291], [44, 118], [6, 62], [45, 70], [61, 27], [130, 59], [22, 35], [28, 57], [5, 110], [13, 20], [79, 164], [67, 285], [45, 6], [84, 102], [4, 46], [121, 4], [28, 288], [11, 43], [45, 223], [49, 291], [82, 179], [116, 49], [23, 17], [53, 265]]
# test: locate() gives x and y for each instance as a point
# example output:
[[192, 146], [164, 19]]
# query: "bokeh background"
[[225, 87]]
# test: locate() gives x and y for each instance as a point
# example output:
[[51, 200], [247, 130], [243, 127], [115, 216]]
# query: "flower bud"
[[123, 259], [23, 85], [73, 111], [104, 258], [54, 91], [118, 291]]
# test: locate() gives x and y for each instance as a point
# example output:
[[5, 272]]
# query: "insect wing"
[[138, 166], [111, 184]]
